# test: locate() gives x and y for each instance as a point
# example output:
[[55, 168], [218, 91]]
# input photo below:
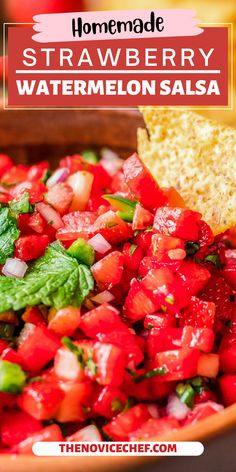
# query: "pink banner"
[[90, 26]]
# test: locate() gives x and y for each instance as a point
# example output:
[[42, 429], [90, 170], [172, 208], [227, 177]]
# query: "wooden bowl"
[[29, 136]]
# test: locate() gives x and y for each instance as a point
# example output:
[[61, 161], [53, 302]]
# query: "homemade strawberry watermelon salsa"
[[117, 307]]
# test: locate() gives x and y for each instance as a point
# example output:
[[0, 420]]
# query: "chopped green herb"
[[132, 249], [150, 326], [8, 234], [111, 225], [150, 374], [55, 279], [214, 259], [186, 394], [191, 248], [131, 372], [82, 251], [164, 308], [46, 175], [90, 156], [129, 403], [116, 405], [36, 379], [12, 377], [78, 351], [91, 366], [149, 229], [21, 206], [170, 299], [232, 297], [124, 206]]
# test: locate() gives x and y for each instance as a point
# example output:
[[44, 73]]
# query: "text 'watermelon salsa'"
[[117, 306]]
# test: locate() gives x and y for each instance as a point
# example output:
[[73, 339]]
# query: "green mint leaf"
[[90, 156], [8, 234], [55, 279], [21, 206]]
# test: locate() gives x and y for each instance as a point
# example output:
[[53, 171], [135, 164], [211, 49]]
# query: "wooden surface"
[[30, 136]]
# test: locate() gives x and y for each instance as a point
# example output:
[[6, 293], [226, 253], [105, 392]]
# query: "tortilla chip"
[[195, 155]]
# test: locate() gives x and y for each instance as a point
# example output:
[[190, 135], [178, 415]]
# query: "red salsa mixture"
[[117, 305]]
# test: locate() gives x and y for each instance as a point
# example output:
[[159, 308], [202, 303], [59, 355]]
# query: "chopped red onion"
[[51, 216], [111, 161], [176, 408], [60, 175], [153, 410], [25, 332], [15, 268], [99, 244], [103, 297]]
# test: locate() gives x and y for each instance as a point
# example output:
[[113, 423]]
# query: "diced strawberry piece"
[[31, 247], [77, 224], [227, 353], [202, 411], [5, 164], [48, 434], [132, 256], [177, 222], [112, 228], [76, 404], [218, 291], [198, 313], [138, 303], [15, 175], [125, 423], [110, 364], [142, 184], [17, 427], [179, 364], [35, 190], [119, 185], [228, 389], [193, 276], [142, 218], [198, 338], [41, 399], [109, 402], [74, 163], [36, 222], [143, 240], [108, 271], [65, 321], [205, 236], [208, 365], [154, 428], [60, 197], [230, 267], [38, 348], [23, 220]]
